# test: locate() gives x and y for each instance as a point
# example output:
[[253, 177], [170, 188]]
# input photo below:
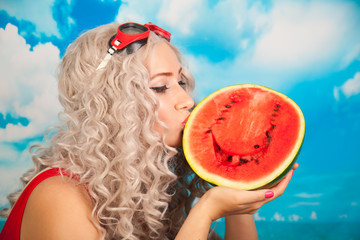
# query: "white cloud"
[[343, 216], [10, 182], [134, 11], [309, 35], [295, 218], [7, 153], [28, 86], [350, 88], [278, 217], [257, 217], [308, 195], [209, 76], [181, 14], [304, 204], [230, 25], [39, 13], [13, 165], [313, 215], [351, 56], [336, 93]]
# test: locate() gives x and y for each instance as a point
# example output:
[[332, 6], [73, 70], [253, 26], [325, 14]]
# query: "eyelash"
[[182, 83], [163, 89]]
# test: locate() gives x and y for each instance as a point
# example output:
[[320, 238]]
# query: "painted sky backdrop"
[[309, 50]]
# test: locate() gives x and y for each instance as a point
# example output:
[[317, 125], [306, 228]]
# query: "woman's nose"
[[184, 101]]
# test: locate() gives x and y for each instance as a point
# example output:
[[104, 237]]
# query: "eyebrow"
[[164, 74]]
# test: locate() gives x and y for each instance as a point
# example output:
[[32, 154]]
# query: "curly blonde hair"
[[141, 188]]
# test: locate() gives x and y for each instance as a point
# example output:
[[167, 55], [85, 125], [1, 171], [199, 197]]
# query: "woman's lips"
[[184, 122]]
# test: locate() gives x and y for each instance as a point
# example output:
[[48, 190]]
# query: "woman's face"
[[175, 102]]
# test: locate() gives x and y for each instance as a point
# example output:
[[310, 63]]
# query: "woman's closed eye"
[[161, 89], [182, 83]]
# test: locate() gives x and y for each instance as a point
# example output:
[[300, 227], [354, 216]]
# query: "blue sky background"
[[309, 50]]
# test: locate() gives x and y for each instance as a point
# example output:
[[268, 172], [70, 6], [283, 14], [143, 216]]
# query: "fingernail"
[[292, 173], [269, 194]]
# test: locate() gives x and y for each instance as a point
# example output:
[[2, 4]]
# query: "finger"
[[254, 196], [280, 188], [296, 165]]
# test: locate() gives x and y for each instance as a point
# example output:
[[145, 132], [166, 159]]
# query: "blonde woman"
[[115, 168]]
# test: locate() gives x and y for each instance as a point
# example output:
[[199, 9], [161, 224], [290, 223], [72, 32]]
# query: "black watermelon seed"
[[256, 146], [257, 161], [227, 106], [268, 134], [221, 118], [273, 126], [276, 110], [208, 131], [274, 115], [277, 105], [229, 158], [242, 161]]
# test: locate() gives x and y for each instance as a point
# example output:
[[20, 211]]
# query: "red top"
[[12, 227]]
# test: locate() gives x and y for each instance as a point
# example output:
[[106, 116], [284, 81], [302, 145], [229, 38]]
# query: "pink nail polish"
[[269, 194]]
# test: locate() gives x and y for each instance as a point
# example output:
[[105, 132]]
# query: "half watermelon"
[[244, 136]]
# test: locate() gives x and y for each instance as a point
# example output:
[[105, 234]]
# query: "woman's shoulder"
[[58, 209]]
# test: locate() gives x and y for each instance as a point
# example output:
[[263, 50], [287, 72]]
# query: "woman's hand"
[[224, 201], [243, 226]]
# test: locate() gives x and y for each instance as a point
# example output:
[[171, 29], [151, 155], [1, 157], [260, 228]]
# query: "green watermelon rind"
[[279, 178], [267, 181]]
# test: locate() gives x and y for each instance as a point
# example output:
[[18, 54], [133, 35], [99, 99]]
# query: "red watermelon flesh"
[[243, 136]]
